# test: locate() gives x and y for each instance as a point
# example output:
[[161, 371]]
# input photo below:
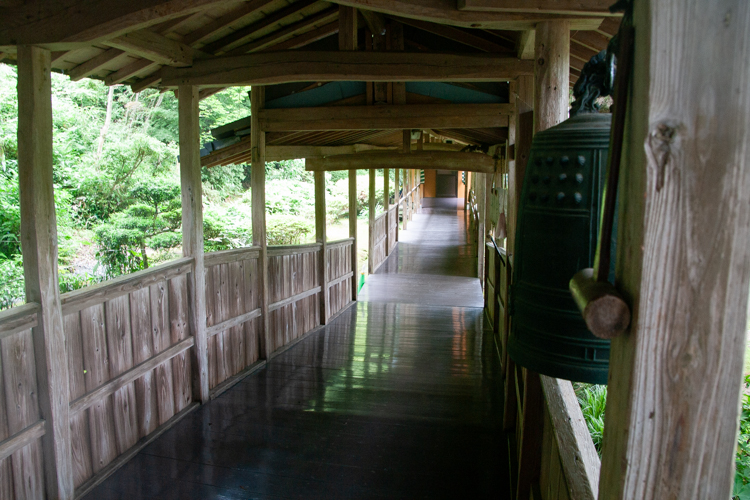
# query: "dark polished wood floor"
[[393, 399]]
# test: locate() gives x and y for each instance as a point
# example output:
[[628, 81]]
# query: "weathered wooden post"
[[396, 188], [320, 237], [683, 259], [348, 41], [551, 84], [406, 198], [387, 206], [480, 194], [192, 233], [258, 193], [39, 243]]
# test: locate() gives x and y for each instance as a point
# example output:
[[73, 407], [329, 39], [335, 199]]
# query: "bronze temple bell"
[[556, 236]]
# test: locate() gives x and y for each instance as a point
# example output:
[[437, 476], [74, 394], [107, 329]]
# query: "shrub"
[[12, 293], [287, 230]]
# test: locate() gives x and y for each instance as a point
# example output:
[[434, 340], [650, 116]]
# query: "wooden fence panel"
[[294, 292], [392, 228], [378, 238], [339, 273], [21, 466], [118, 392], [232, 311]]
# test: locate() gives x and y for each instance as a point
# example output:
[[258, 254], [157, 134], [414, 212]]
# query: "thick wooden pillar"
[[683, 259], [480, 193], [396, 173], [406, 199], [258, 193], [521, 133], [348, 41], [320, 237], [551, 91], [387, 206], [552, 73], [192, 233], [39, 243], [371, 204]]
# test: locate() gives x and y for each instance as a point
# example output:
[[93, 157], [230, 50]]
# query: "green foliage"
[[12, 291], [222, 108], [290, 197], [288, 170], [221, 182], [741, 490], [226, 227], [10, 216], [282, 229], [593, 400]]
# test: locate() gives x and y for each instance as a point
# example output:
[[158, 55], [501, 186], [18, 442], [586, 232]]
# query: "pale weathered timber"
[[122, 380], [78, 300], [39, 240], [675, 377], [232, 322], [397, 116], [371, 222], [552, 74], [445, 12], [154, 47], [18, 319], [578, 456], [258, 186], [387, 207], [229, 256], [294, 298], [446, 160], [280, 250], [95, 63], [353, 229], [244, 10], [320, 237], [481, 194], [136, 67], [345, 242], [192, 234], [304, 66], [592, 7], [21, 439]]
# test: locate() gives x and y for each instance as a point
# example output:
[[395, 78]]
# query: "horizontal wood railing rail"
[[278, 250], [18, 319], [21, 439], [232, 322], [233, 255], [572, 451], [102, 292], [338, 280], [346, 242], [294, 298], [129, 376]]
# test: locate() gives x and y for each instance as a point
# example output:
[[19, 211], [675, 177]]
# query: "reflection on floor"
[[391, 400]]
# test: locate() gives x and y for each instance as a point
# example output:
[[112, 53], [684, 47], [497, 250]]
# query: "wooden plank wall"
[[21, 466], [552, 483], [393, 228], [379, 240], [129, 369], [294, 288], [339, 271], [232, 312]]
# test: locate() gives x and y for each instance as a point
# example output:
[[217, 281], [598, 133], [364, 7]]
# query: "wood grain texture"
[[577, 454], [683, 261], [180, 329], [552, 74], [17, 319], [192, 233], [39, 240], [446, 160], [321, 237]]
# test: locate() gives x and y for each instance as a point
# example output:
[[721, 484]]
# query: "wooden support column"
[[192, 233], [683, 261], [258, 193], [405, 199], [550, 108], [39, 243], [387, 206], [348, 41], [371, 204], [396, 173], [320, 237], [552, 73]]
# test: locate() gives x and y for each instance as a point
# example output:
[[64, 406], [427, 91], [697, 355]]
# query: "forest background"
[[117, 185]]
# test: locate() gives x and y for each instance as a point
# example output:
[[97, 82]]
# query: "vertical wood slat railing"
[[569, 462], [378, 252], [128, 343]]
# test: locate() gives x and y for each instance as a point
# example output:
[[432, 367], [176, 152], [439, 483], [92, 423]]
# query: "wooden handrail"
[[96, 294], [233, 255], [340, 243], [17, 319], [279, 250]]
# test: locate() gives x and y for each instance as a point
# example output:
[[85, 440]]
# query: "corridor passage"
[[398, 397]]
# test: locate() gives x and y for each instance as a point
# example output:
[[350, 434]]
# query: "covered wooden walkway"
[[393, 399]]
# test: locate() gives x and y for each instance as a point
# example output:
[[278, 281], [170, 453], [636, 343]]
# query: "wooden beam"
[[445, 12], [675, 378], [525, 45], [308, 38], [71, 23], [39, 240], [94, 64], [235, 38], [136, 67], [375, 21], [258, 192], [321, 237], [397, 116], [599, 7], [277, 153], [287, 31], [319, 66], [444, 160], [552, 74], [154, 47], [192, 234], [455, 34], [148, 81], [246, 9]]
